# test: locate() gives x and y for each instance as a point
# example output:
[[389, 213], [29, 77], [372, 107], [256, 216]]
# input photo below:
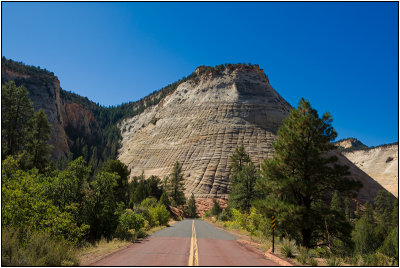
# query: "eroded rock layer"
[[201, 123], [381, 163]]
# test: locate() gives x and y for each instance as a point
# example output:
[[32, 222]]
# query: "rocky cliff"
[[202, 122], [380, 163], [67, 117], [44, 91]]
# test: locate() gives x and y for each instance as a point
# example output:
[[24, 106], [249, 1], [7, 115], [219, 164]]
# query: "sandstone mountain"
[[381, 163], [202, 122], [350, 144]]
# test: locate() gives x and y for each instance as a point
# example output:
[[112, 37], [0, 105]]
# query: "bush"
[[304, 256], [379, 259], [207, 214], [287, 249], [128, 224], [37, 249], [313, 262], [158, 215], [334, 261], [321, 252]]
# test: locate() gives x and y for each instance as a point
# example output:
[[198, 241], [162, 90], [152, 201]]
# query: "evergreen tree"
[[302, 174], [121, 191], [243, 187], [216, 209], [175, 186], [347, 208], [336, 202], [38, 149], [239, 159], [191, 209], [164, 200], [16, 112]]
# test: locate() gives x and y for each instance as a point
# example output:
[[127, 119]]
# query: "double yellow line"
[[194, 253]]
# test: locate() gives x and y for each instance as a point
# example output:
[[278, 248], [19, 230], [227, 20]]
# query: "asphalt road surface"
[[187, 243]]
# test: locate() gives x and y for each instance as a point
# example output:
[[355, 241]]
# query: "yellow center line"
[[193, 254]]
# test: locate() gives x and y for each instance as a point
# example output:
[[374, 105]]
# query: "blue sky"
[[341, 56]]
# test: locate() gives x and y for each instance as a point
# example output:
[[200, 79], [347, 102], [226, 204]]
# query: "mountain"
[[381, 163], [350, 144], [202, 122], [199, 121]]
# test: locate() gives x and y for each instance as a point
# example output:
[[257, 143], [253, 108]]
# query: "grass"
[[90, 253]]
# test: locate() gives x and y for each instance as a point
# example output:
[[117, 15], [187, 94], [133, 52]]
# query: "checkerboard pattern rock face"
[[201, 124]]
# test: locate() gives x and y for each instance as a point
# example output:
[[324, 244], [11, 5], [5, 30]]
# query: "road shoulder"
[[246, 242]]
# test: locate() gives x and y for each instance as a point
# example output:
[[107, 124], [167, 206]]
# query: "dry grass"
[[92, 253]]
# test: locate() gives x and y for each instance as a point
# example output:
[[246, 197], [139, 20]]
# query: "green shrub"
[[207, 214], [303, 256], [320, 252], [158, 215], [313, 262], [38, 249], [334, 261], [379, 259], [149, 202], [287, 249], [128, 224]]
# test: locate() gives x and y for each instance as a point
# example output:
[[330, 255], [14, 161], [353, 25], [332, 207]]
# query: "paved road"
[[185, 243]]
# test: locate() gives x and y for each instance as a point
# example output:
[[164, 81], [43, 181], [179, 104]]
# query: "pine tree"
[[16, 112], [239, 159], [175, 186], [116, 166], [302, 174], [243, 190], [347, 208], [216, 209], [336, 202], [191, 209], [38, 149]]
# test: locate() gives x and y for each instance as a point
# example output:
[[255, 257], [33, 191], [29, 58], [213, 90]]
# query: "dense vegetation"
[[319, 217], [49, 212]]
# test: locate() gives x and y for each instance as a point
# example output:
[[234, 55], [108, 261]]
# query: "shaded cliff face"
[[201, 124], [44, 92], [380, 163], [68, 119]]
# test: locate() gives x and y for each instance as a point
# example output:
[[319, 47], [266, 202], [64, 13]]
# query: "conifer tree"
[[243, 190], [175, 186], [191, 210], [38, 149], [302, 174], [16, 112], [336, 202]]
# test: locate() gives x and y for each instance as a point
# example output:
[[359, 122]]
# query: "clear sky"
[[341, 56]]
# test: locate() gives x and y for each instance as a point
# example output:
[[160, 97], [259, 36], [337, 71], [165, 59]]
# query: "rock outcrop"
[[201, 124], [381, 163], [44, 92], [68, 119]]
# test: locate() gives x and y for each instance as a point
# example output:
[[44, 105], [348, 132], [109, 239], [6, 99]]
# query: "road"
[[186, 243]]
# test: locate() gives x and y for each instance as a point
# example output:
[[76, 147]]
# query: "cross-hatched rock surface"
[[201, 124]]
